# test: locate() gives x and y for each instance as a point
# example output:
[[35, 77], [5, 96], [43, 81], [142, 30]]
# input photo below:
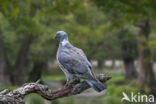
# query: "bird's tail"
[[96, 85]]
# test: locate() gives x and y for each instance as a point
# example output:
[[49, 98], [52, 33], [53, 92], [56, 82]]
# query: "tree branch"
[[75, 87]]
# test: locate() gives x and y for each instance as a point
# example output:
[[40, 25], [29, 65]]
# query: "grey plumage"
[[74, 63]]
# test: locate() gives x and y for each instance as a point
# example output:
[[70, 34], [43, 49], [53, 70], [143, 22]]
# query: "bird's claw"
[[67, 85]]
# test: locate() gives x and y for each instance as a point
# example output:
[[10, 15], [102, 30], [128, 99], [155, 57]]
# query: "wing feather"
[[75, 61]]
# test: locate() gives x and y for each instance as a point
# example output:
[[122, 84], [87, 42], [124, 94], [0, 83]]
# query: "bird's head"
[[61, 35]]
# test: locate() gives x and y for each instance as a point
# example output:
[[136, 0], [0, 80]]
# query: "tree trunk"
[[146, 74], [101, 64], [128, 49], [130, 70], [37, 70], [113, 64], [18, 76], [4, 75]]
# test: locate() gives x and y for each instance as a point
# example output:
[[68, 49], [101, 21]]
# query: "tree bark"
[[18, 75], [37, 70], [146, 74], [113, 64], [128, 50], [4, 74], [130, 70], [101, 64]]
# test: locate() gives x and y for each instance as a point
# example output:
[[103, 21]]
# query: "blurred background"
[[118, 37]]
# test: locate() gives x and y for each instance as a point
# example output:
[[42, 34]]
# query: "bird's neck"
[[64, 42]]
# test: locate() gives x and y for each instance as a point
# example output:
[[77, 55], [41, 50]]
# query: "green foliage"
[[152, 44], [127, 11], [35, 99], [88, 27], [69, 100], [8, 87], [114, 94], [122, 16], [53, 77], [128, 42]]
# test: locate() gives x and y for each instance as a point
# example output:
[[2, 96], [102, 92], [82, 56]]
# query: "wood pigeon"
[[74, 62]]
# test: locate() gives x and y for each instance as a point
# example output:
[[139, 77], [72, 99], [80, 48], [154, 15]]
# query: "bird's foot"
[[72, 82], [75, 80], [67, 85]]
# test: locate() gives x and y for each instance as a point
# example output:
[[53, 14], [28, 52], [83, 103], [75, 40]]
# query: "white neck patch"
[[64, 42]]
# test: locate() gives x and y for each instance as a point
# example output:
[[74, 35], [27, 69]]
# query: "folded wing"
[[75, 61]]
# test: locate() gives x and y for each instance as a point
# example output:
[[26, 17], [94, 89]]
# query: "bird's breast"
[[59, 49]]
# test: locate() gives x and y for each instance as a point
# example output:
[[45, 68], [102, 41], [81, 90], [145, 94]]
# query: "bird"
[[74, 63]]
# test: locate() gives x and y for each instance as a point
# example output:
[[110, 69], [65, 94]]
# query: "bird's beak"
[[54, 37]]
